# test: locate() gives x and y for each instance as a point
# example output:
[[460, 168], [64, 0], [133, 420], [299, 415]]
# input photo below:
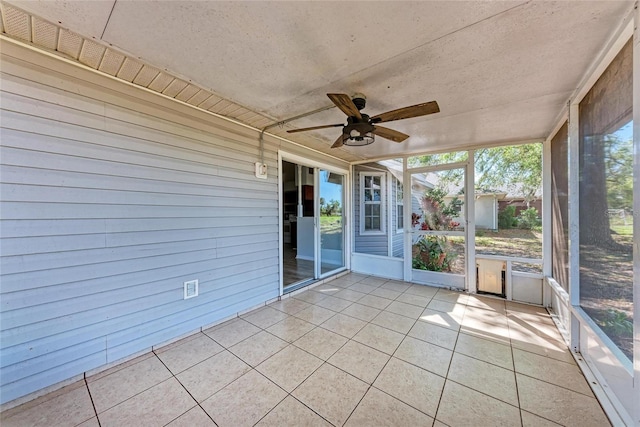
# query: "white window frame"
[[381, 203], [399, 202]]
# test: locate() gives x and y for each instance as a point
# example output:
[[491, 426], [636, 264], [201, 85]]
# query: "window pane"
[[367, 195], [606, 202], [400, 217], [367, 182], [377, 195], [375, 221], [375, 210], [376, 181], [367, 223]]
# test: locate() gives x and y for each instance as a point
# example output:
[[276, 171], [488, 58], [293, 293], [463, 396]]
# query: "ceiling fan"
[[360, 128]]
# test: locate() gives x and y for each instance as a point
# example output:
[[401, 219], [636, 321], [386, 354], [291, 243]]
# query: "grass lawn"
[[330, 224], [512, 242]]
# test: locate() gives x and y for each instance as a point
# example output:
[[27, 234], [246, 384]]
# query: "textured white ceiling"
[[501, 71]]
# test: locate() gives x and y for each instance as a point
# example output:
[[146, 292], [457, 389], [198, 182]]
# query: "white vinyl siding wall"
[[111, 198]]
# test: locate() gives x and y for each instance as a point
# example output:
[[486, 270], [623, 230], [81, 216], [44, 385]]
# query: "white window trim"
[[399, 202], [382, 203]]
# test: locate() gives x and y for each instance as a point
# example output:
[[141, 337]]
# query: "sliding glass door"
[[313, 226], [331, 221]]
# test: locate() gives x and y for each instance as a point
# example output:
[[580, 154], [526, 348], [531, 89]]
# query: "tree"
[[604, 111], [332, 208], [329, 209], [619, 171], [450, 176], [516, 168]]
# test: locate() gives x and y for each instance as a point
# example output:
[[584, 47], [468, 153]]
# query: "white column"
[[636, 211], [547, 242], [470, 227]]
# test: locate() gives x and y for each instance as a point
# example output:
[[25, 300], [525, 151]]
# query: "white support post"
[[574, 218], [636, 211], [509, 281], [407, 186], [547, 242], [470, 226], [281, 225], [391, 201]]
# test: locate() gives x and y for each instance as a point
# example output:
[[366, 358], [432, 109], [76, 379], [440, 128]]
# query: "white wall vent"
[[190, 289]]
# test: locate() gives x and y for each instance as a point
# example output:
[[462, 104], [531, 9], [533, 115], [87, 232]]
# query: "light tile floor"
[[358, 351]]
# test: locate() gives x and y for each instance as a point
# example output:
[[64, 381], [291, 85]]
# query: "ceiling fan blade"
[[407, 112], [391, 134], [338, 142], [344, 102], [315, 128]]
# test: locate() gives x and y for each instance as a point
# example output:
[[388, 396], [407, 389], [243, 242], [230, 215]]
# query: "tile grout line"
[[185, 389], [324, 361], [299, 348], [95, 411], [383, 367], [515, 377], [446, 377], [369, 386], [295, 388]]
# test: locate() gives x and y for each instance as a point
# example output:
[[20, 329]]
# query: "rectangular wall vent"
[[190, 289]]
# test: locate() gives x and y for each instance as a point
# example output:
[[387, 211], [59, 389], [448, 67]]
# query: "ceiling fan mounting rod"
[[284, 122], [359, 101]]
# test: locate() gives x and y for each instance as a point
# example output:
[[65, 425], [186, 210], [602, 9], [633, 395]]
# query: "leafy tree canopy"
[[516, 168], [619, 171]]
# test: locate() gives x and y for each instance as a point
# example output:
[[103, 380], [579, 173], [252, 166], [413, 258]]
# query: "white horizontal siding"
[[111, 198]]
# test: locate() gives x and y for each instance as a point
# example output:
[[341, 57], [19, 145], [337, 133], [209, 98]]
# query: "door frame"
[[305, 161], [469, 277]]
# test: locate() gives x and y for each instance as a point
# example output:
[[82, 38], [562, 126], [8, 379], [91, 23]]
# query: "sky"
[[328, 190]]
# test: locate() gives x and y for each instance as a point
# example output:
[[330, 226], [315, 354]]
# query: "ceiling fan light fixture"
[[357, 139]]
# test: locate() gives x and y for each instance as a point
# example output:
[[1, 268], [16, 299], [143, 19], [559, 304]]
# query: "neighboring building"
[[520, 204]]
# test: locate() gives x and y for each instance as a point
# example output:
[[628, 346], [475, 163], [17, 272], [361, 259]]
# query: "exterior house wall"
[[112, 197], [520, 205], [378, 244], [486, 212], [372, 244]]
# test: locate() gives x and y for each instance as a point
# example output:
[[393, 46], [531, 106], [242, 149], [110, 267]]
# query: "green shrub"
[[506, 217], [615, 322], [528, 219]]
